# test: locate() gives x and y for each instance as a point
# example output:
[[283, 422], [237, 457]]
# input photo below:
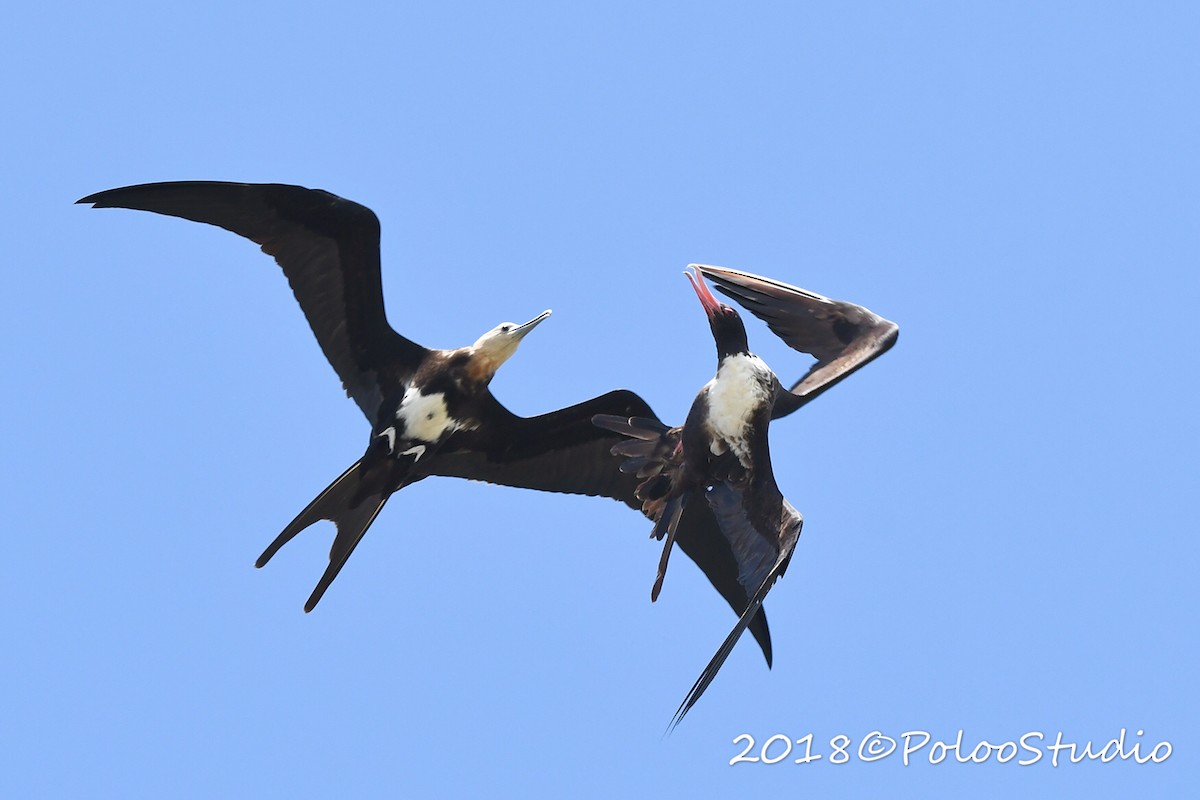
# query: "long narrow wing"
[[762, 528], [556, 452], [842, 336], [562, 451], [328, 248], [647, 448]]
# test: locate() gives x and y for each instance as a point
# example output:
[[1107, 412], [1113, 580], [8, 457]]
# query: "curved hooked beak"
[[519, 332], [710, 303]]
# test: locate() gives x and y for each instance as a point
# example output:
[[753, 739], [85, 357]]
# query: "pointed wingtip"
[[97, 198], [677, 717], [680, 713]]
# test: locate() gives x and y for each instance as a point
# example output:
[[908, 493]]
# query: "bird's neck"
[[482, 365]]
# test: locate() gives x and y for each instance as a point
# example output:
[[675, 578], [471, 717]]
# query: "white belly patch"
[[424, 417]]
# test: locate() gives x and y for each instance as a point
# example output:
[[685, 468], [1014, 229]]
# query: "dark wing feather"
[[562, 451], [652, 446], [328, 248], [762, 528], [556, 452], [700, 538], [842, 336]]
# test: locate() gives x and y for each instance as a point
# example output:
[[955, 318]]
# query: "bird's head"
[[497, 345], [727, 329]]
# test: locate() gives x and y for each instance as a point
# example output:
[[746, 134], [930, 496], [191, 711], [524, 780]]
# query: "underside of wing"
[[760, 526], [328, 248], [648, 447], [842, 336], [701, 539], [719, 658], [561, 451], [762, 529]]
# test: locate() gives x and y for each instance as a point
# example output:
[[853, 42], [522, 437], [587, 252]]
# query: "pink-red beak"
[[710, 303]]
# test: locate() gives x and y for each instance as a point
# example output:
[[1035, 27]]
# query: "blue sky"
[[999, 530]]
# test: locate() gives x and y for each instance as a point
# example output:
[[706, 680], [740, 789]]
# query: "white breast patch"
[[742, 385], [424, 416]]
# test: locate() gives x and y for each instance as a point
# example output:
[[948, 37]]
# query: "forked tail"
[[341, 504]]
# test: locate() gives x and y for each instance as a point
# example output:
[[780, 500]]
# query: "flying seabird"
[[430, 411], [720, 457]]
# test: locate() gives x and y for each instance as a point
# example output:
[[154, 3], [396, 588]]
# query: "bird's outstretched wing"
[[328, 248], [556, 452], [842, 336], [762, 528], [562, 451], [730, 560]]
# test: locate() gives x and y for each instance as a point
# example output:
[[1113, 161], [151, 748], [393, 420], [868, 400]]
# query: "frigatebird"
[[720, 457], [430, 411]]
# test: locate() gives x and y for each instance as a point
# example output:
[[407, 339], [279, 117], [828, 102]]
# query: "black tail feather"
[[351, 525], [335, 494], [340, 504]]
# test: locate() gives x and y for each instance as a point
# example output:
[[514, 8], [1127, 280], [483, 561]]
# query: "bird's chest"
[[428, 416], [736, 398]]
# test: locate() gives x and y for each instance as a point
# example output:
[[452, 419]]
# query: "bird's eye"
[[505, 328]]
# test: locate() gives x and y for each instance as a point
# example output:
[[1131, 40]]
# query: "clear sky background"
[[999, 514]]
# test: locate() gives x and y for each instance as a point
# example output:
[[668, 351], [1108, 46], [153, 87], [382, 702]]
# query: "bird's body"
[[720, 457], [440, 408], [431, 411], [731, 405]]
